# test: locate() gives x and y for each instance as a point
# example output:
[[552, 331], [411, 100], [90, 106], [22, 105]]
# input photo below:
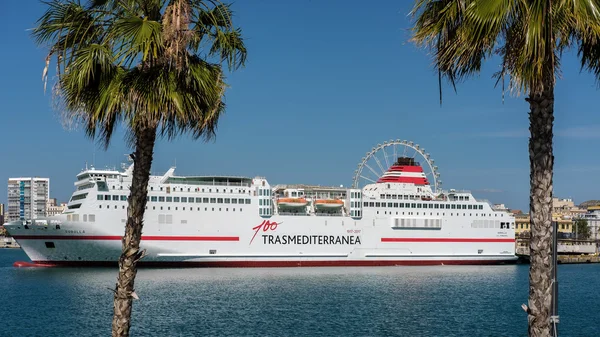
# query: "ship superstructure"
[[235, 221]]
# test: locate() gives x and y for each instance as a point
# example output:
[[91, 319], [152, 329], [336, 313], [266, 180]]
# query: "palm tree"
[[138, 62], [529, 38]]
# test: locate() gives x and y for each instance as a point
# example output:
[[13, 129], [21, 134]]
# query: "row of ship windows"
[[169, 208], [107, 197], [85, 217], [415, 205], [198, 189], [264, 211], [491, 224], [417, 197], [437, 214]]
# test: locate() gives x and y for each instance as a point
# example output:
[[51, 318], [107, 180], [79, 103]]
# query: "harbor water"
[[373, 301]]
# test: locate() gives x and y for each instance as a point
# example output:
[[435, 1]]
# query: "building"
[[523, 224], [1, 214], [53, 208], [27, 198], [566, 207], [593, 219]]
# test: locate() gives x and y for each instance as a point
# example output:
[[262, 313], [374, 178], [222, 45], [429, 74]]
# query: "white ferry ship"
[[225, 221]]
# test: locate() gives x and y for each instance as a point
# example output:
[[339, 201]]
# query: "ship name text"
[[311, 239]]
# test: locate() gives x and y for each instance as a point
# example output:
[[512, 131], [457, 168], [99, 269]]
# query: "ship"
[[235, 221]]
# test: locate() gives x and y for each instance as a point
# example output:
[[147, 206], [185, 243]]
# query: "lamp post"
[[554, 318]]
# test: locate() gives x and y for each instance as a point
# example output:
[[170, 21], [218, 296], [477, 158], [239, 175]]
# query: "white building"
[[27, 198], [593, 219]]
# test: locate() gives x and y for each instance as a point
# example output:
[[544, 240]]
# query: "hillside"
[[588, 203]]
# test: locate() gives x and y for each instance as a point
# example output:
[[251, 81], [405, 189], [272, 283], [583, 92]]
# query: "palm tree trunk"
[[541, 158], [144, 147]]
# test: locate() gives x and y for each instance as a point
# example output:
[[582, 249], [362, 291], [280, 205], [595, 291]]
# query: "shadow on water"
[[356, 301]]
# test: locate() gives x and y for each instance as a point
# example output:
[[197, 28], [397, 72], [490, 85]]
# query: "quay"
[[566, 259]]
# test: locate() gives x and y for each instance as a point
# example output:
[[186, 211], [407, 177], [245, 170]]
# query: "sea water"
[[336, 301]]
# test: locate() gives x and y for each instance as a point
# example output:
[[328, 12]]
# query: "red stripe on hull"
[[116, 237], [274, 264], [446, 240]]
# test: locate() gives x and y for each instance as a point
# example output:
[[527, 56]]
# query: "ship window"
[[115, 206], [183, 199], [205, 200], [480, 206], [418, 205], [234, 201], [123, 198], [213, 200], [401, 204], [176, 199], [92, 218], [453, 206], [469, 207], [169, 199], [85, 218], [107, 197], [168, 208], [99, 206], [464, 206], [247, 201], [240, 201], [198, 200], [413, 205], [389, 204], [161, 188], [377, 204], [49, 244], [78, 197], [161, 199], [219, 200], [396, 204], [393, 196], [447, 206], [153, 198]]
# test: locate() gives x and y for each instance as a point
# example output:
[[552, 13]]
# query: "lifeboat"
[[292, 202], [328, 204]]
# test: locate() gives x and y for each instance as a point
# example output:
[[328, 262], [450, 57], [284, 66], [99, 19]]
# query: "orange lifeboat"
[[328, 204], [292, 202]]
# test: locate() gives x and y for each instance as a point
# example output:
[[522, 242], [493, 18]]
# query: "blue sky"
[[325, 81]]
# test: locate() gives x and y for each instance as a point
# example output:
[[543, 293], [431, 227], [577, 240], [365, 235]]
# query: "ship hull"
[[284, 241]]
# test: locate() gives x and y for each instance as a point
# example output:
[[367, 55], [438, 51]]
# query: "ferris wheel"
[[377, 161]]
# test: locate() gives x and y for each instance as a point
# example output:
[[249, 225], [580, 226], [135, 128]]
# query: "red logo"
[[266, 226]]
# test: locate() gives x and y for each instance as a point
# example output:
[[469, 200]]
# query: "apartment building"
[[27, 198]]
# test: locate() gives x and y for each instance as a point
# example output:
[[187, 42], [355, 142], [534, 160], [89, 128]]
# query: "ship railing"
[[293, 214], [328, 214]]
